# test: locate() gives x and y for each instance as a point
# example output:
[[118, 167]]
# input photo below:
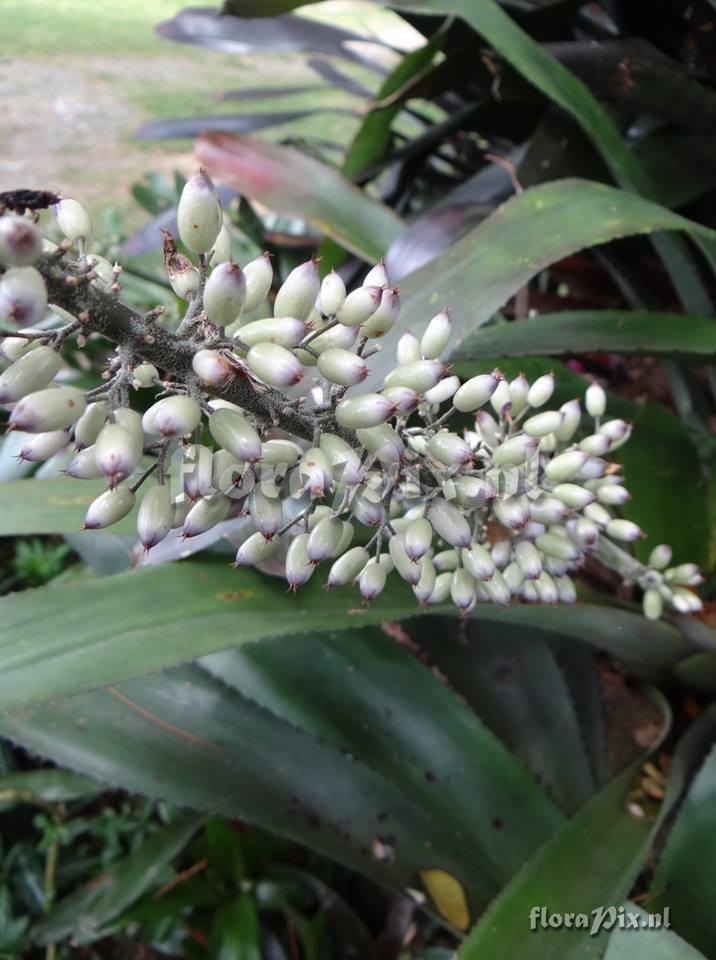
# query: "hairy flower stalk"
[[274, 425]]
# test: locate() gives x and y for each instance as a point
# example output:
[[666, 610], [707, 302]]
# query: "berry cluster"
[[371, 482]]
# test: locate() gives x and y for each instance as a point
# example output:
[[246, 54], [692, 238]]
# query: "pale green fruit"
[[359, 306], [234, 433], [155, 516], [199, 215], [110, 507], [297, 294], [342, 367], [475, 392], [258, 274], [50, 409], [299, 568], [275, 364], [285, 331], [73, 220], [172, 417], [205, 514], [20, 242], [33, 371], [347, 567], [224, 294], [23, 296]]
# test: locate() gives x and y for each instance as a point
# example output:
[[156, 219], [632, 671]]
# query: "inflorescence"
[[368, 482]]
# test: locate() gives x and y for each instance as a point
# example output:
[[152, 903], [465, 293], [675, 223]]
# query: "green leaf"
[[512, 680], [662, 470], [373, 136], [647, 942], [542, 69], [487, 266], [51, 506], [235, 932], [84, 913], [294, 184], [360, 797], [683, 879], [56, 642], [43, 786], [594, 331], [591, 862]]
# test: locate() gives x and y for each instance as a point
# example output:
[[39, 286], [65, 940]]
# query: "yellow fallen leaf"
[[448, 896]]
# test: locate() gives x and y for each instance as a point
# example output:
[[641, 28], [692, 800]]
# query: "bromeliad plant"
[[372, 481]]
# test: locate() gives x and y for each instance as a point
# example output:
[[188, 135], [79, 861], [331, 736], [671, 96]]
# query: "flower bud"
[[565, 465], [474, 492], [406, 568], [117, 453], [513, 513], [199, 215], [275, 365], [359, 305], [212, 367], [298, 568], [436, 336], [347, 567], [345, 464], [542, 424], [497, 589], [463, 590], [585, 532], [266, 510], [572, 495], [298, 292], [528, 559], [342, 367], [541, 390], [155, 516], [686, 574], [613, 495], [315, 472], [515, 451], [83, 466], [449, 449], [366, 410], [557, 547], [548, 510], [377, 276], [595, 445], [597, 514], [371, 580], [33, 371], [501, 399], [258, 275], [323, 539], [20, 242], [478, 562], [419, 376], [280, 452], [90, 423], [172, 417], [54, 408], [408, 349], [285, 331], [449, 523], [475, 392], [660, 556], [42, 446], [221, 251], [595, 400], [447, 560], [144, 375], [519, 388], [234, 433], [385, 316], [572, 416], [197, 469], [23, 296], [73, 220], [383, 442], [224, 294], [547, 589], [109, 507], [333, 293], [441, 590], [443, 390], [255, 549], [12, 348], [205, 514], [418, 539]]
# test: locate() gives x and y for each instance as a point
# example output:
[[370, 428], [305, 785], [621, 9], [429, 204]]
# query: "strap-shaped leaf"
[[334, 751]]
